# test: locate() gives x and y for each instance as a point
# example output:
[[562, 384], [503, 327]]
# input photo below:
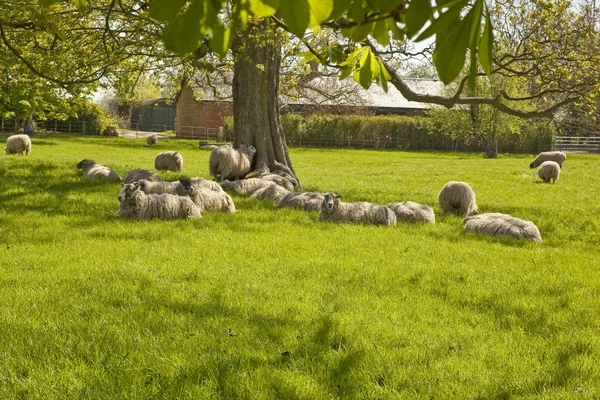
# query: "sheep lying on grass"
[[18, 144], [133, 203], [457, 197], [229, 163], [169, 160], [308, 201], [137, 174], [91, 170], [334, 210], [549, 170], [152, 140], [160, 187], [206, 184], [270, 192], [502, 224], [245, 186], [280, 180], [412, 212], [557, 156], [207, 199]]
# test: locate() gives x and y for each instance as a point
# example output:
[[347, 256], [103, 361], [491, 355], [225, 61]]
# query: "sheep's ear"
[[122, 184], [338, 196]]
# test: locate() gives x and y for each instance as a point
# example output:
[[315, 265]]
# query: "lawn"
[[268, 303]]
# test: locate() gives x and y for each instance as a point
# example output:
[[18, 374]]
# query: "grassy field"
[[270, 303]]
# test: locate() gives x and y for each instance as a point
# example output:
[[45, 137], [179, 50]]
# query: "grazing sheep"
[[226, 162], [91, 170], [134, 203], [169, 160], [160, 187], [557, 156], [502, 224], [308, 201], [207, 199], [457, 197], [412, 212], [270, 192], [152, 140], [334, 210], [18, 144], [245, 186], [549, 170], [137, 174]]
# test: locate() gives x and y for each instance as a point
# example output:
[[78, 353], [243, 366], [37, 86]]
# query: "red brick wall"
[[200, 119]]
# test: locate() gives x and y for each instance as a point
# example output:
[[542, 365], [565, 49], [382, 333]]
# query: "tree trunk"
[[256, 118]]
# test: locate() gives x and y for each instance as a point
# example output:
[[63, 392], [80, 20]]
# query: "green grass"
[[93, 306]]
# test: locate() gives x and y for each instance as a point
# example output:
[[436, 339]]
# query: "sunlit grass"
[[270, 303]]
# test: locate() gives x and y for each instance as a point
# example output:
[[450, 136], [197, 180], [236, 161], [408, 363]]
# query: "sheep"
[[160, 187], [226, 162], [133, 203], [270, 192], [169, 160], [137, 174], [308, 201], [206, 184], [412, 212], [502, 224], [549, 170], [152, 140], [92, 170], [557, 156], [334, 210], [245, 186], [282, 181], [457, 197], [206, 199], [18, 144]]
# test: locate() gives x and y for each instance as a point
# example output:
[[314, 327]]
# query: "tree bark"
[[256, 117]]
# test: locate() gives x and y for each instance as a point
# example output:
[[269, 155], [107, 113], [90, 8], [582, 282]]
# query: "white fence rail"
[[577, 144]]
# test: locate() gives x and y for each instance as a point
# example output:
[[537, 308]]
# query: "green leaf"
[[339, 8], [184, 34], [220, 40], [296, 15], [346, 71], [356, 13], [475, 24], [362, 31], [381, 33], [47, 3], [353, 57], [81, 5], [375, 70], [364, 57], [381, 81], [444, 21], [263, 8], [335, 53], [165, 10], [366, 75], [307, 56], [397, 33], [417, 15], [451, 48], [486, 43], [320, 10]]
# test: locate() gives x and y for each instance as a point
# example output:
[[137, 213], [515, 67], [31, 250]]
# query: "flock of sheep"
[[145, 195]]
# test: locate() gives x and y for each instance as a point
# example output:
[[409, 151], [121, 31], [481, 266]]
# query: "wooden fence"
[[577, 144]]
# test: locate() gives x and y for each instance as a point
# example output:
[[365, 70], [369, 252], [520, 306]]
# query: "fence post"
[[2, 125], [137, 130], [69, 127]]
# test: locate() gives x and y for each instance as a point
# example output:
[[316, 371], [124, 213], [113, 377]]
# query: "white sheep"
[[206, 184], [152, 140], [160, 187], [280, 180], [245, 186], [270, 192], [549, 170], [137, 174], [457, 197], [133, 203], [169, 160], [308, 201], [334, 210], [207, 199], [92, 170], [227, 163], [18, 144], [557, 156], [412, 212], [502, 224]]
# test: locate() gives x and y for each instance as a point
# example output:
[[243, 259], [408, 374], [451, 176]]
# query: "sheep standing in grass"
[[18, 144], [229, 163], [307, 201], [502, 224], [169, 160], [207, 199], [133, 203], [557, 156], [245, 186], [412, 212], [152, 140], [334, 210], [270, 192], [92, 170], [549, 170], [457, 197], [137, 174]]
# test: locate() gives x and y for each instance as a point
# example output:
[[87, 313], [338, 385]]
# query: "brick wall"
[[200, 119]]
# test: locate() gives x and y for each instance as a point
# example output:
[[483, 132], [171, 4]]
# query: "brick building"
[[199, 119]]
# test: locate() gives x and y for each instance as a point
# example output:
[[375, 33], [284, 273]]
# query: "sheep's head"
[[128, 191], [330, 201], [532, 165], [187, 185], [247, 149], [85, 162]]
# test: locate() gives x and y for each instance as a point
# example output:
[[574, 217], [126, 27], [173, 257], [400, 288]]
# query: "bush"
[[92, 117], [226, 133]]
